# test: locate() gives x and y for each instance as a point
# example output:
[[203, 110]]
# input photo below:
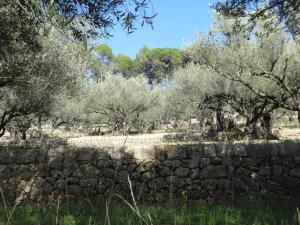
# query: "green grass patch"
[[246, 213]]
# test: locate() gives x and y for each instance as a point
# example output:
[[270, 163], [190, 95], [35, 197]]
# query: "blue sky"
[[177, 22]]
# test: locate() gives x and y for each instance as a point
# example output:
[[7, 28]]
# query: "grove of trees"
[[43, 50], [233, 78]]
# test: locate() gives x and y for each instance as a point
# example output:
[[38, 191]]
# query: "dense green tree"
[[104, 52], [158, 64], [100, 62], [124, 65]]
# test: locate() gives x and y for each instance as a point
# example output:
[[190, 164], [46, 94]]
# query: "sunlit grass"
[[246, 213]]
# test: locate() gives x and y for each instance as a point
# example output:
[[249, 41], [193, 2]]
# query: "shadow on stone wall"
[[209, 172]]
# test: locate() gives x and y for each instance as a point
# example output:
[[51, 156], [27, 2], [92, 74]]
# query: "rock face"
[[197, 172]]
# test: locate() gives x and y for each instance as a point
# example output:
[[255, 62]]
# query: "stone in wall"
[[211, 172]]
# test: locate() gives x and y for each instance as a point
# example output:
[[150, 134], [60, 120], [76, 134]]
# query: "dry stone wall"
[[210, 172]]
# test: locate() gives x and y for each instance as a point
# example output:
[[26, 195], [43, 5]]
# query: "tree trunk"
[[231, 124], [2, 131], [4, 120], [220, 120], [298, 116], [153, 126], [99, 129], [40, 123], [254, 133], [251, 128], [203, 125], [267, 123], [24, 135]]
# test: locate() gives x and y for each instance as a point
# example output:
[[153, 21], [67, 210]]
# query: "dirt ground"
[[96, 141], [288, 133], [158, 138], [84, 140]]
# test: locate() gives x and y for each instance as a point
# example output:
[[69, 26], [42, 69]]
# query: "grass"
[[252, 213]]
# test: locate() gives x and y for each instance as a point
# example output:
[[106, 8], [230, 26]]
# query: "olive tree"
[[19, 41], [187, 99], [287, 12], [70, 110], [54, 70], [87, 18], [36, 67], [156, 113], [122, 101], [264, 70]]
